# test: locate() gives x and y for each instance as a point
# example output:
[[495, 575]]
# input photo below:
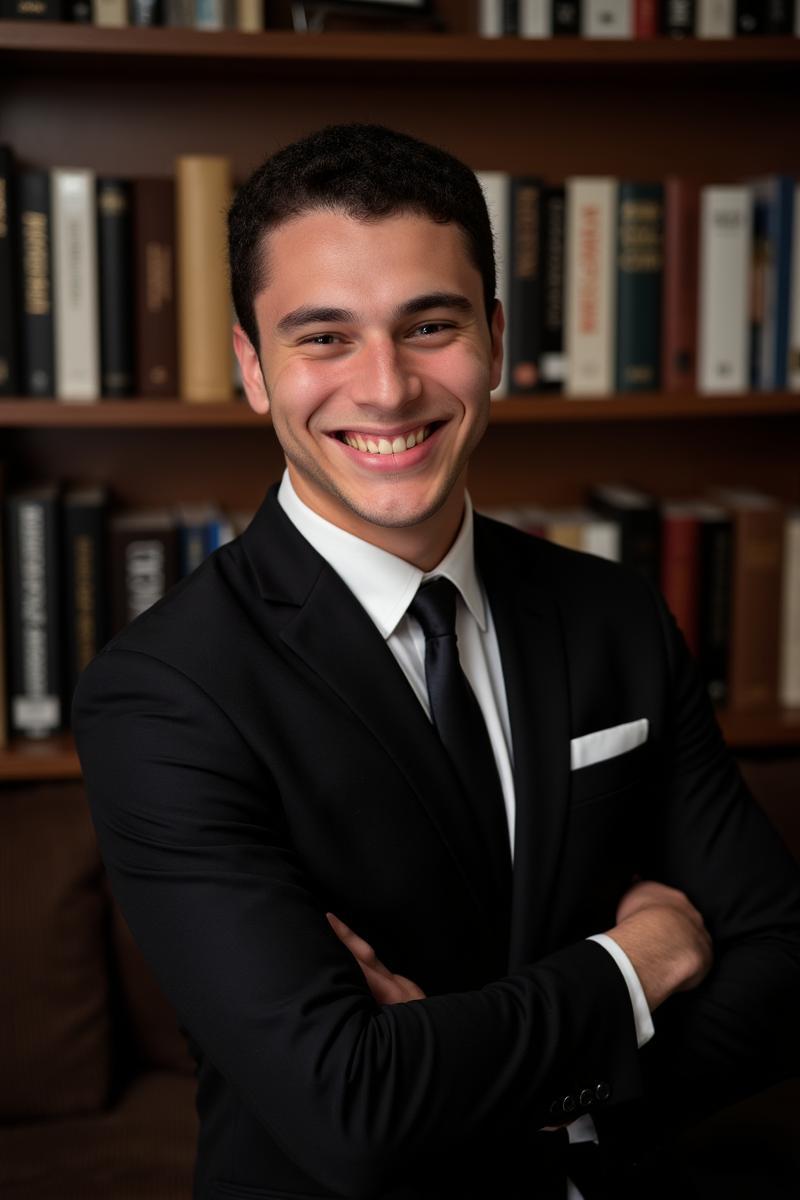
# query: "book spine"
[[35, 10], [679, 572], [789, 679], [750, 18], [678, 18], [116, 286], [566, 17], [250, 16], [715, 18], [714, 605], [179, 13], [523, 335], [85, 585], [209, 14], [496, 187], [645, 19], [75, 292], [780, 221], [9, 332], [534, 19], [793, 371], [760, 251], [490, 18], [143, 565], [33, 596], [154, 290], [110, 14], [679, 332], [607, 18], [591, 285], [552, 361], [639, 266], [755, 625], [779, 17], [725, 242], [36, 273], [203, 195], [145, 12]]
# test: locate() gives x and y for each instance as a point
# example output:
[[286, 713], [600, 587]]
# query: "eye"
[[316, 339], [435, 326]]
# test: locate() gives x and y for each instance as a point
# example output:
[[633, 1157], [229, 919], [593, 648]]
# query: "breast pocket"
[[615, 774]]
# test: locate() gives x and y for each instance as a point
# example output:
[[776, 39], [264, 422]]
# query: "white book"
[[794, 291], [535, 18], [490, 18], [715, 19], [496, 187], [110, 14], [789, 653], [723, 342], [590, 285], [76, 305], [607, 18], [602, 537]]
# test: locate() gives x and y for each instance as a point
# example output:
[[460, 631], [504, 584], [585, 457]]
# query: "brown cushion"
[[143, 1147], [54, 1014], [153, 1024]]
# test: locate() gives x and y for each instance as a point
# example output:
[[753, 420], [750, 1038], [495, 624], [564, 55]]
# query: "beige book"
[[76, 305], [250, 16], [111, 14], [203, 195], [789, 678], [591, 285]]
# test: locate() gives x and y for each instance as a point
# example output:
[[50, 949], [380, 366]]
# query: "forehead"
[[363, 259]]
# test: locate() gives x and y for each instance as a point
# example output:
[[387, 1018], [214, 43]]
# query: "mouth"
[[371, 443]]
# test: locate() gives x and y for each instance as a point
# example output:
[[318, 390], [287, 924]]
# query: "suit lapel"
[[532, 653], [337, 640]]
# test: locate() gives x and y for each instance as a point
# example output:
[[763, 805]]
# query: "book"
[[589, 336], [678, 18], [154, 288], [773, 200], [9, 337], [607, 18], [789, 657], [85, 573], [115, 276], [679, 569], [75, 285], [33, 607], [496, 186], [715, 18], [679, 297], [205, 347], [637, 514], [36, 284], [724, 276], [552, 360], [715, 535], [524, 320], [639, 267], [143, 560]]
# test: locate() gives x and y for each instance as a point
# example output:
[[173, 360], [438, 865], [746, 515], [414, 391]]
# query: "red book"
[[681, 256], [645, 19], [680, 566]]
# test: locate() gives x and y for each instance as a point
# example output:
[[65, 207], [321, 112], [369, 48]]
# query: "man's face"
[[378, 363]]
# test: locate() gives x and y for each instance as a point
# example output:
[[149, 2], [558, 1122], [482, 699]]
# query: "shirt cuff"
[[641, 1013]]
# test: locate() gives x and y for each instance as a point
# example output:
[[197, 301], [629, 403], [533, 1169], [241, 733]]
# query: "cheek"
[[298, 389], [464, 374]]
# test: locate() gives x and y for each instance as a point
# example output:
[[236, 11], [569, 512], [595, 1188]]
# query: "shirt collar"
[[382, 583]]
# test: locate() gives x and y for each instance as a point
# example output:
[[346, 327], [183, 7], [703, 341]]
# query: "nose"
[[381, 378]]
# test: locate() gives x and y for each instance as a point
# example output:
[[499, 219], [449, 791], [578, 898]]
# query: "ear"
[[252, 377], [496, 330]]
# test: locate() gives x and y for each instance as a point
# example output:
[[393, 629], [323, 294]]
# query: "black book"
[[510, 18], [36, 283], [86, 593], [751, 17], [9, 290], [714, 599], [639, 519], [566, 18], [79, 11], [33, 611], [34, 10], [525, 284], [779, 17], [678, 18], [640, 254], [116, 285], [552, 364]]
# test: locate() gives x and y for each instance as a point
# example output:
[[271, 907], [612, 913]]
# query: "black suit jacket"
[[254, 756]]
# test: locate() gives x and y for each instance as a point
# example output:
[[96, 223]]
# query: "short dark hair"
[[364, 171]]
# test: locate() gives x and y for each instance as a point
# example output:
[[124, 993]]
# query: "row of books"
[[638, 18], [727, 563], [246, 16], [116, 287], [615, 285], [78, 569]]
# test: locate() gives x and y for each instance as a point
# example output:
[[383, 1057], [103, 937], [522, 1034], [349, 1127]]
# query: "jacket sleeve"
[[738, 1032], [199, 858]]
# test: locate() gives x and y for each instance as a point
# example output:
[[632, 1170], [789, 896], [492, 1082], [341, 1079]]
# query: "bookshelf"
[[128, 101]]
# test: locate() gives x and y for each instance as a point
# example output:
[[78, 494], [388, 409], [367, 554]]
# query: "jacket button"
[[568, 1104], [586, 1097], [602, 1091]]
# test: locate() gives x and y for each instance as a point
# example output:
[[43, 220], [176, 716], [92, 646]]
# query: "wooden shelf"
[[517, 410], [48, 42], [55, 757]]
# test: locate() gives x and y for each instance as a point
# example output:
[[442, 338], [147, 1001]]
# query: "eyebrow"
[[306, 315]]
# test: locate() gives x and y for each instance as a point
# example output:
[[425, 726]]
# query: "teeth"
[[382, 445]]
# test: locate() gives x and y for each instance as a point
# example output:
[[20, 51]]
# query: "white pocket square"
[[607, 743]]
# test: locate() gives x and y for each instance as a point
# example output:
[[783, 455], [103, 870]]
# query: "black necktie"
[[459, 722]]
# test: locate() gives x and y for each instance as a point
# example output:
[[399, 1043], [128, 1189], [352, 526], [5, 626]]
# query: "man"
[[367, 859]]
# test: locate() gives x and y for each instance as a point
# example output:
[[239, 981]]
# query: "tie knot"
[[434, 606]]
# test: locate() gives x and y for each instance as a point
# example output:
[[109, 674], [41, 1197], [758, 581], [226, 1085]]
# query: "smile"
[[370, 443]]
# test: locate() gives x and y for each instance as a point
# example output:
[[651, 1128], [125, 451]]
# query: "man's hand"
[[665, 938], [386, 987]]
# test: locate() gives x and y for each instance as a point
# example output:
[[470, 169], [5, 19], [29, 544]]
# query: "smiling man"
[[426, 826]]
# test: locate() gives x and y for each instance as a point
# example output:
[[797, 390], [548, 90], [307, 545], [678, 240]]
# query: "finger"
[[357, 945]]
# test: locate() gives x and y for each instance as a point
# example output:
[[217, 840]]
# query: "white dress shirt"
[[385, 585]]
